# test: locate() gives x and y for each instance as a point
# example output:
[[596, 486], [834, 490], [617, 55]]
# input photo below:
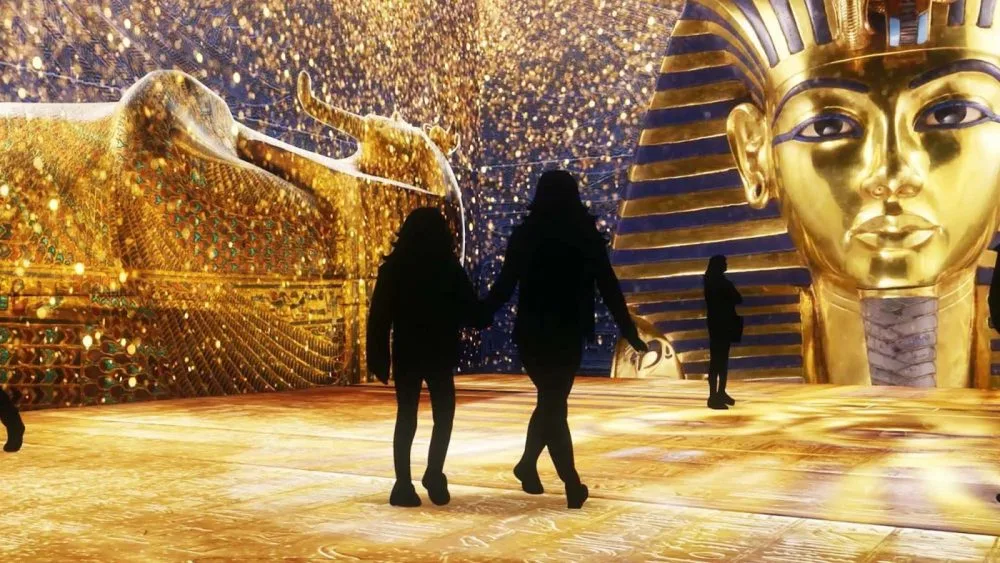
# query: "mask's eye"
[[825, 127], [953, 114]]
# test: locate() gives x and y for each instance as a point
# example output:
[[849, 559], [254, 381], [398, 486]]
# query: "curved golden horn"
[[344, 121], [852, 18]]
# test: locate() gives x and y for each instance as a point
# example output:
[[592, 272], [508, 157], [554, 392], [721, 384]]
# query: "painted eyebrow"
[[965, 65], [812, 83]]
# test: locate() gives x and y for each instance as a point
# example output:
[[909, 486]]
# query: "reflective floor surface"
[[793, 473]]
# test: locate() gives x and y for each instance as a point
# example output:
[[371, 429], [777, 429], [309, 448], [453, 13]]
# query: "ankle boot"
[[437, 488], [528, 476], [403, 494], [576, 495], [716, 402]]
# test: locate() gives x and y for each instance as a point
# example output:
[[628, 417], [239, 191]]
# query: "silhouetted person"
[[994, 298], [11, 420], [424, 297], [724, 328], [556, 255]]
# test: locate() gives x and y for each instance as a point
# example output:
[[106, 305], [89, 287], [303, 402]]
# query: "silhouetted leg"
[[11, 420], [534, 443], [526, 469], [554, 404], [442, 391], [713, 372], [718, 353], [553, 399], [723, 367], [407, 401], [713, 366]]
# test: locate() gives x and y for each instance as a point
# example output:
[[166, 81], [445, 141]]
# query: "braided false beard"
[[901, 338]]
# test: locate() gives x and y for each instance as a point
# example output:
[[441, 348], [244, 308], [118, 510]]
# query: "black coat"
[[557, 262], [721, 299], [424, 306]]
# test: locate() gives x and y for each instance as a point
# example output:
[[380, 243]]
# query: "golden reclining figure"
[[155, 247]]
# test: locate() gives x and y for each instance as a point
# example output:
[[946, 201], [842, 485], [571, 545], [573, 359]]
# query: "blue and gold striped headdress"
[[685, 201]]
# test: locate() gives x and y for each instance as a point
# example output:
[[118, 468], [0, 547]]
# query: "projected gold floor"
[[794, 473]]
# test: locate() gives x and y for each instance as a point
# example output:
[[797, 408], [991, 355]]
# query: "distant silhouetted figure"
[[724, 328], [994, 297], [556, 256], [11, 420], [424, 297]]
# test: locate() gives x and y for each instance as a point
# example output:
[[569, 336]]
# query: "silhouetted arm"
[[379, 325], [470, 307], [611, 292], [736, 297], [503, 289]]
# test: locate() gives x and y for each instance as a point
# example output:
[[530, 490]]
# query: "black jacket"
[[721, 298], [557, 268], [424, 306]]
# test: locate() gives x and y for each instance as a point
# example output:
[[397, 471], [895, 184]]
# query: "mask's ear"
[[748, 136]]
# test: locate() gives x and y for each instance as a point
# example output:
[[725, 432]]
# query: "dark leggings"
[[718, 365], [442, 391], [548, 425]]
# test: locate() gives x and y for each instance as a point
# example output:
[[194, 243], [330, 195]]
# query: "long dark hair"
[[426, 236], [716, 268], [557, 198]]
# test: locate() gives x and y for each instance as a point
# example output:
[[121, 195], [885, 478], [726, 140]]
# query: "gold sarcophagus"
[[157, 248]]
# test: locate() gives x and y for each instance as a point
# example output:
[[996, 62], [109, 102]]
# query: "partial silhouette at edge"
[[11, 419], [993, 300]]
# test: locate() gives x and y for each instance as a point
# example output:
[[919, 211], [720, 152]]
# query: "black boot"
[[576, 495], [716, 402], [437, 488], [727, 399], [11, 419], [403, 494], [530, 482], [15, 438]]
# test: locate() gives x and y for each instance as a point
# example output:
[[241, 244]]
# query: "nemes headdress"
[[771, 41]]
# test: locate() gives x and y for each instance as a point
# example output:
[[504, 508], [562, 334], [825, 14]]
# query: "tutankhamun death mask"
[[867, 134]]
